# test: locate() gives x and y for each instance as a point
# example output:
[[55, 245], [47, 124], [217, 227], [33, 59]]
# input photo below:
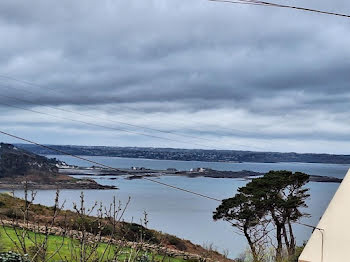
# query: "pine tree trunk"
[[251, 245], [292, 244], [279, 243], [286, 240]]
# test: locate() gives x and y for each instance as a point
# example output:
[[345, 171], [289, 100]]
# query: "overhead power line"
[[120, 122], [123, 123], [96, 117], [112, 128], [103, 126], [26, 82], [118, 170], [264, 3], [245, 132], [105, 166]]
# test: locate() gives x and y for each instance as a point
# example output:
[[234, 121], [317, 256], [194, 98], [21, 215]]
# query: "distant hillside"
[[191, 154], [18, 165], [18, 162]]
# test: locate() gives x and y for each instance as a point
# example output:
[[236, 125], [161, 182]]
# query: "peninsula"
[[19, 167]]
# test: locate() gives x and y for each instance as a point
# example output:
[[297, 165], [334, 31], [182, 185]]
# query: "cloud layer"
[[229, 75]]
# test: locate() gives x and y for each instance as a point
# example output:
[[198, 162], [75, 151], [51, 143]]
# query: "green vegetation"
[[18, 162], [7, 245], [191, 154], [268, 204], [52, 233], [10, 208], [18, 166]]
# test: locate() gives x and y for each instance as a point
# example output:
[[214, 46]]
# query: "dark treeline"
[[191, 154]]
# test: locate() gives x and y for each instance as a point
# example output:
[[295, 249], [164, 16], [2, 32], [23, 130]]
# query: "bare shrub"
[[102, 237]]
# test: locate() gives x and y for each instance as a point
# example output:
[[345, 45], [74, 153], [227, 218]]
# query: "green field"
[[65, 252]]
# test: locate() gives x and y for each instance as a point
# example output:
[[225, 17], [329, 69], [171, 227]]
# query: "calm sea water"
[[309, 168], [186, 215]]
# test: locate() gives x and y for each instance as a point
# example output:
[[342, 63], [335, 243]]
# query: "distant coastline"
[[228, 156]]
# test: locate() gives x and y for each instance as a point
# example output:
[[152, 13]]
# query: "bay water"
[[188, 216]]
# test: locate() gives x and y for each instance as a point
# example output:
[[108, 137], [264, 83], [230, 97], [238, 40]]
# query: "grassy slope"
[[130, 232], [7, 245]]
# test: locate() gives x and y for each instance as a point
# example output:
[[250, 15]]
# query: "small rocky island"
[[139, 173], [19, 167]]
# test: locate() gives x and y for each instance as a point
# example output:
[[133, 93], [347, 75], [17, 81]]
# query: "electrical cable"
[[103, 126], [123, 123], [264, 3], [103, 165], [148, 179]]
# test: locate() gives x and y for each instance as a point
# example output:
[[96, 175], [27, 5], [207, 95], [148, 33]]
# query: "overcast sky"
[[209, 75]]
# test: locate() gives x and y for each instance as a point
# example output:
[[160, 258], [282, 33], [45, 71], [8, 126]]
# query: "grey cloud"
[[181, 57]]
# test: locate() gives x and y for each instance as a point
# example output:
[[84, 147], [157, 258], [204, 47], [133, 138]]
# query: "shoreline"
[[200, 172], [35, 184], [9, 186], [206, 161]]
